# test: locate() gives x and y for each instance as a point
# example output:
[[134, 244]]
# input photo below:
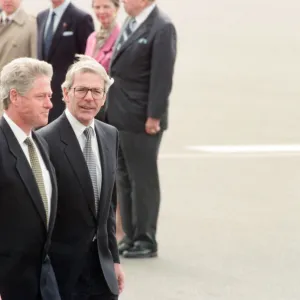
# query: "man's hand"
[[120, 277], [152, 126]]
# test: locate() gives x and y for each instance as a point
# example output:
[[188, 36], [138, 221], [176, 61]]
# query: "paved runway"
[[229, 223]]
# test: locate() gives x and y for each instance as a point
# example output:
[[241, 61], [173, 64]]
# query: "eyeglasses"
[[81, 92]]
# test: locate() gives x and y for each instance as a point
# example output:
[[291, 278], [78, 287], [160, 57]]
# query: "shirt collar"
[[59, 10], [76, 125], [10, 17], [20, 135], [144, 14]]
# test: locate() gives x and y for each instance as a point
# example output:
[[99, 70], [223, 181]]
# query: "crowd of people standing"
[[104, 94]]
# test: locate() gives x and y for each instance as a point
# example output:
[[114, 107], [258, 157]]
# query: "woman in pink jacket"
[[100, 43]]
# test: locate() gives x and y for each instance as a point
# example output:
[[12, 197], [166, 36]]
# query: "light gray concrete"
[[229, 224]]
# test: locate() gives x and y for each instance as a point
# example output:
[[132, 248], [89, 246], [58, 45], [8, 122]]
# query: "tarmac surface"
[[229, 222]]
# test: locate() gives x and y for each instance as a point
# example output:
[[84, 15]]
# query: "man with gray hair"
[[83, 150], [28, 192], [142, 66]]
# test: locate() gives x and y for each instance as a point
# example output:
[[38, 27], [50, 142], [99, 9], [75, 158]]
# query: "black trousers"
[[91, 284], [138, 185]]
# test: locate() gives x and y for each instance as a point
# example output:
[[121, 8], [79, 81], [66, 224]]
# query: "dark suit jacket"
[[25, 269], [63, 49], [143, 71], [76, 223]]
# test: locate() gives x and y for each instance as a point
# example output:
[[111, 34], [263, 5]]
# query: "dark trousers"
[[138, 185], [91, 284]]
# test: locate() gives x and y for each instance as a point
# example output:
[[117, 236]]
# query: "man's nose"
[[89, 95]]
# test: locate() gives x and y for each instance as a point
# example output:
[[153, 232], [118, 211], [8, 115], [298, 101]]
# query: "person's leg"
[[140, 153], [119, 229], [124, 191]]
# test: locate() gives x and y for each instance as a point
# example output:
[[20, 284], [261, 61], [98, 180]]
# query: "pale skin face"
[[56, 3], [10, 6], [31, 110], [86, 108], [105, 12], [134, 7]]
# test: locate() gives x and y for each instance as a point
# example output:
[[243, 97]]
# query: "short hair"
[[86, 64], [20, 74], [116, 3]]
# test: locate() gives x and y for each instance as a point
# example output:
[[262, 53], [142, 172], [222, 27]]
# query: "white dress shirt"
[[143, 15], [21, 137], [79, 132], [59, 11]]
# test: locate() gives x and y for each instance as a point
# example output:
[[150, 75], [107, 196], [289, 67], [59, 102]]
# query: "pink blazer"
[[105, 53]]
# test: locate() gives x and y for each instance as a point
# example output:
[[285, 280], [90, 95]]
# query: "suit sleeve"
[[162, 68], [85, 28], [111, 223]]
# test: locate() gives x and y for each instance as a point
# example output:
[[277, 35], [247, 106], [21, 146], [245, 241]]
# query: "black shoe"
[[141, 249], [124, 245]]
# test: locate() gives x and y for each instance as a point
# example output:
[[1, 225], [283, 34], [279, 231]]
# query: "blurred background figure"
[[63, 30], [17, 32], [100, 43], [142, 67]]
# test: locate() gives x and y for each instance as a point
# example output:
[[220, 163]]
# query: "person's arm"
[[85, 28], [162, 68]]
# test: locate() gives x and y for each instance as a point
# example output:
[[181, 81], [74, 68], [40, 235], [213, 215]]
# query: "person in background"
[[100, 43], [63, 30], [142, 67], [17, 32]]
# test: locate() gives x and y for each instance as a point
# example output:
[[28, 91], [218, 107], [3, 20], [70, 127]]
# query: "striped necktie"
[[91, 162], [38, 174], [49, 36], [129, 29]]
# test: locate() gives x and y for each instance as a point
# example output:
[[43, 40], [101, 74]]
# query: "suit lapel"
[[77, 161], [24, 170], [63, 23], [52, 178], [109, 44], [142, 29]]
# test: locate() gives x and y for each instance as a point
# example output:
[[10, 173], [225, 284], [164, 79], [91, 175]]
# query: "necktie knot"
[[29, 142], [88, 132], [131, 24]]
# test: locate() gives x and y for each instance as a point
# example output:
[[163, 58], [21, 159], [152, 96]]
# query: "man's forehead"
[[88, 78]]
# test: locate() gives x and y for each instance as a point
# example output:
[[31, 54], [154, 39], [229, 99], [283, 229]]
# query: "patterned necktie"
[[49, 36], [126, 33], [91, 162], [37, 172]]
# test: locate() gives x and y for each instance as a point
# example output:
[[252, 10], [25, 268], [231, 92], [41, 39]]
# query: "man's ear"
[[103, 100], [66, 95], [13, 96]]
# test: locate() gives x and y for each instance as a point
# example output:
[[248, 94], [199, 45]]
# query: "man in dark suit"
[[28, 191], [142, 67], [62, 33], [84, 153]]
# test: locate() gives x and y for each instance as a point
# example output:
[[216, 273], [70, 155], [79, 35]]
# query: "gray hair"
[[86, 64], [20, 75]]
